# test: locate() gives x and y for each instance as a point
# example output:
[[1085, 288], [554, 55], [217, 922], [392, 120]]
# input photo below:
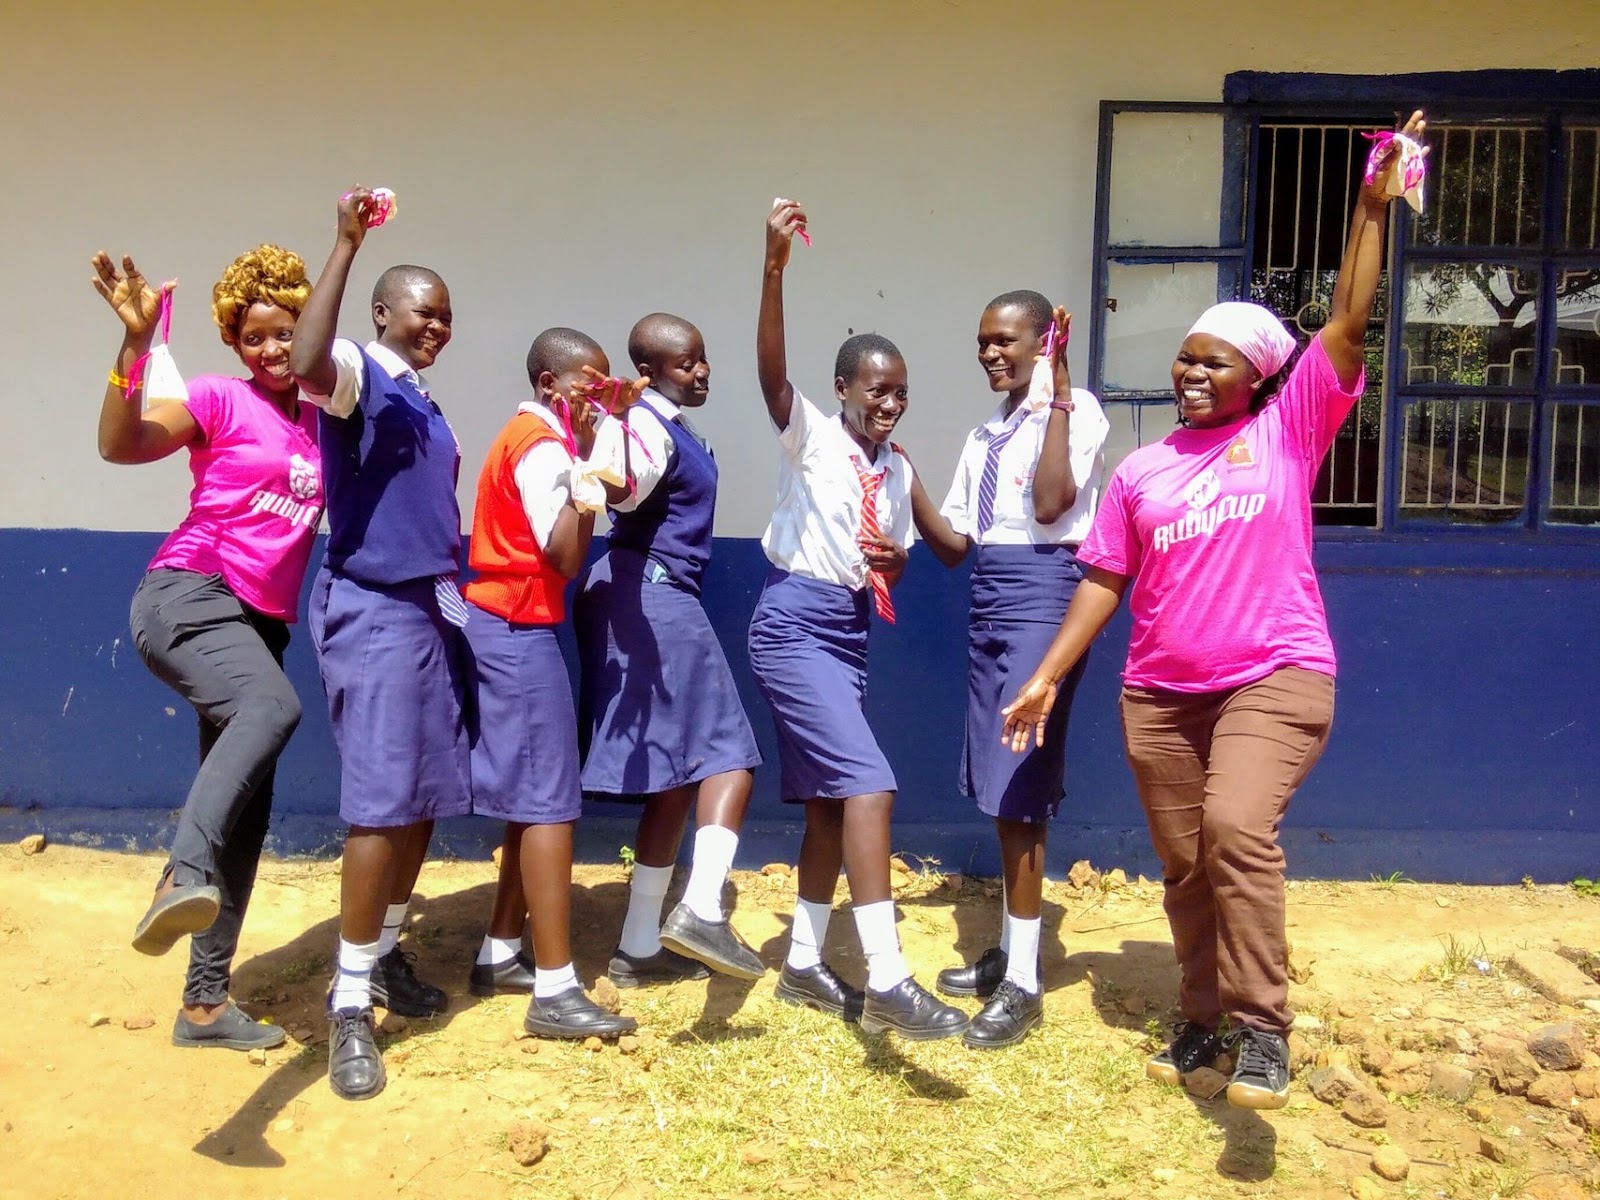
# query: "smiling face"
[[1007, 345], [1213, 381], [678, 368], [875, 399], [262, 343], [415, 322]]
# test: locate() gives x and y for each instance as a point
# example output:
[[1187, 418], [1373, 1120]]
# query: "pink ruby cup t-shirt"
[[257, 495], [1214, 528]]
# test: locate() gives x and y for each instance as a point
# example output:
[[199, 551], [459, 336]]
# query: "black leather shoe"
[[395, 986], [664, 966], [513, 975], [574, 1015], [355, 1068], [232, 1030], [975, 979], [186, 909], [1010, 1016], [913, 1012], [711, 942], [819, 988]]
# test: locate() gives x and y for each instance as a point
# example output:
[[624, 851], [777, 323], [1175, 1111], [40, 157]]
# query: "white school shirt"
[[649, 455], [1013, 500], [543, 476], [817, 518], [351, 373]]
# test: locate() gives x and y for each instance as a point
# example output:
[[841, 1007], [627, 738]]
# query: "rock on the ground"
[[606, 995], [1493, 1149], [1586, 1083], [1205, 1083], [1374, 1055], [1514, 1069], [528, 1142], [258, 1057], [593, 1045], [1082, 875], [1461, 1040], [32, 844], [1554, 977], [1332, 1084], [1117, 878], [899, 866], [284, 1125], [1308, 1023], [1363, 1188], [628, 1044], [98, 1019], [136, 1023], [1391, 1163], [1301, 1053], [1558, 1047], [530, 1046], [393, 1023], [1133, 1004], [954, 882], [1588, 1114], [1450, 1082], [1364, 1107], [1551, 1091], [777, 868]]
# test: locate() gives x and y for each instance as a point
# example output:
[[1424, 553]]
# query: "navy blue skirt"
[[808, 649], [1019, 595], [657, 705], [391, 667], [521, 724]]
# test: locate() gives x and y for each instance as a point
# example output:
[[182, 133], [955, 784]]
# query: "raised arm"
[[949, 545], [1055, 491], [1344, 336], [128, 435], [1093, 605], [311, 353], [772, 363]]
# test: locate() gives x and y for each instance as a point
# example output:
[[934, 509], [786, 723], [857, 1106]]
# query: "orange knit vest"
[[514, 581]]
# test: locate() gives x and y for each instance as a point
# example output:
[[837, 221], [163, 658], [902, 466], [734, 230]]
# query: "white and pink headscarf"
[[1254, 331]]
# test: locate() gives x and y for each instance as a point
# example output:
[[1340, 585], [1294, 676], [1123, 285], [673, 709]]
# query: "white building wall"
[[584, 164]]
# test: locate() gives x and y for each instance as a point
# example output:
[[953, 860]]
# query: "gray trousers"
[[226, 660]]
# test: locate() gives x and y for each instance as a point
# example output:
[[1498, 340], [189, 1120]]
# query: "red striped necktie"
[[871, 485]]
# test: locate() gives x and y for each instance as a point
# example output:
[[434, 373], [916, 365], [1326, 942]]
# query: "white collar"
[[860, 455], [397, 367], [999, 419], [537, 408]]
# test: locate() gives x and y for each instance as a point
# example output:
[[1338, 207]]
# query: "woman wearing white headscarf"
[[1228, 688]]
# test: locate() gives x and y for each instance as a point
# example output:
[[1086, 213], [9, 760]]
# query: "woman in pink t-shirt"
[[211, 616], [1228, 690]]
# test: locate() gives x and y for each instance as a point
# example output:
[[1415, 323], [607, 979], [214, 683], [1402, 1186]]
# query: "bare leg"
[[661, 826], [821, 851], [546, 854], [724, 798], [506, 918], [866, 846], [1022, 861], [368, 878]]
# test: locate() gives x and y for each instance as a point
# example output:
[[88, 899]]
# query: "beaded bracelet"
[[118, 381]]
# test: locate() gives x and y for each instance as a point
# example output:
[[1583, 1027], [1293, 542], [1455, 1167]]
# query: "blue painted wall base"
[[1463, 747]]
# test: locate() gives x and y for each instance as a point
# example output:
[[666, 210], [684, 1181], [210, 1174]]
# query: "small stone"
[[1307, 1023], [1442, 901], [606, 995], [1117, 878], [393, 1023], [531, 1046], [628, 1044], [1402, 1061], [98, 1019], [496, 855], [1400, 1013], [1134, 1004], [1461, 1041], [1552, 1091], [1082, 875], [1554, 977], [1558, 1047], [1586, 1084], [528, 1142], [1391, 1163], [1514, 1069], [136, 1023], [1354, 1032], [1588, 1114], [1301, 1053], [32, 844], [1332, 1084], [1375, 1056], [1493, 1149], [1349, 1010], [1224, 1063], [258, 1058], [1363, 1188], [899, 866], [1364, 1107], [1205, 1083], [776, 868], [286, 1125], [593, 1045], [954, 882], [753, 1154], [1479, 1110], [1163, 1174]]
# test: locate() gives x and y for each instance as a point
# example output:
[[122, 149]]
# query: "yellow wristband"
[[118, 381]]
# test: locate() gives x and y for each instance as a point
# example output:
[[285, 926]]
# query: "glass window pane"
[[1577, 350], [1149, 309], [1573, 496], [1582, 207], [1166, 179], [1469, 324], [1485, 186], [1465, 461]]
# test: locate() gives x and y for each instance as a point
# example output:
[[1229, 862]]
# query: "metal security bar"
[[1304, 190], [1466, 460]]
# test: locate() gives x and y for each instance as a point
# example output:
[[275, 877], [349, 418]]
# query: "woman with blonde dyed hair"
[[211, 616]]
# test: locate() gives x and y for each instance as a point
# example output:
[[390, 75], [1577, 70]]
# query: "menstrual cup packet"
[[1409, 173]]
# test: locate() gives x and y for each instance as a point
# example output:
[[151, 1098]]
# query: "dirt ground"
[[718, 1099]]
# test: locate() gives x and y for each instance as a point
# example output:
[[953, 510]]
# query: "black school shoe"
[[819, 988], [186, 909], [232, 1030], [513, 975], [395, 986], [1194, 1047], [573, 1015], [713, 943], [913, 1012], [664, 966], [1261, 1078], [979, 978], [1011, 1014], [355, 1068]]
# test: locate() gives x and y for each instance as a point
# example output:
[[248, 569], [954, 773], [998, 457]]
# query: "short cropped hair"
[[1039, 310], [854, 349], [557, 350]]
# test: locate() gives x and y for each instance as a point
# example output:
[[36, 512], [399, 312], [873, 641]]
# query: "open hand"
[[786, 220], [130, 297], [1387, 161], [611, 393], [1025, 716]]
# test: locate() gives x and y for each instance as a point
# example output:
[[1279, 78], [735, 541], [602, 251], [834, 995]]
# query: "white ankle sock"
[[352, 976], [886, 966], [1005, 921], [496, 951], [552, 983], [1022, 968], [393, 918], [714, 848], [641, 928], [808, 933]]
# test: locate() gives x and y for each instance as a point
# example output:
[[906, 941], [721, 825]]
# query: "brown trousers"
[[1215, 772]]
